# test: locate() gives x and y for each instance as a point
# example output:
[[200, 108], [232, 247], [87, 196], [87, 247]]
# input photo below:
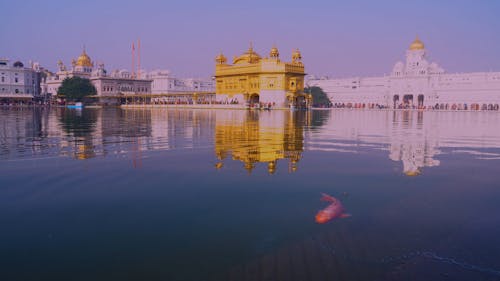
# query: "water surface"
[[132, 194]]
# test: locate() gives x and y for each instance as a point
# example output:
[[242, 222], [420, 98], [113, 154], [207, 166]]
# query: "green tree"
[[320, 99], [76, 89]]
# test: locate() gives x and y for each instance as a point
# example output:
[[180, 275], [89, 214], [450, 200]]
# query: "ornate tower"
[[416, 63], [274, 54]]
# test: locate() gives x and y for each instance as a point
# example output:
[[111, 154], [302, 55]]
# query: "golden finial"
[[417, 44]]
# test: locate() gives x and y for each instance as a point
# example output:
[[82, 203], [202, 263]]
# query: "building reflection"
[[414, 148], [272, 139], [414, 138], [254, 137], [23, 131]]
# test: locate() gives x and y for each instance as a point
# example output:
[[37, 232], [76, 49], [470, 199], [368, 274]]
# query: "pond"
[[178, 194]]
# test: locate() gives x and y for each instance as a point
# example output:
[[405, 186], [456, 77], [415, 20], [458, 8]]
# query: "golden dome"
[[220, 59], [274, 52], [249, 56], [417, 45], [84, 60]]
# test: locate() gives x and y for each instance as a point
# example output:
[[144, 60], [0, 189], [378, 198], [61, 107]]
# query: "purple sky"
[[336, 38]]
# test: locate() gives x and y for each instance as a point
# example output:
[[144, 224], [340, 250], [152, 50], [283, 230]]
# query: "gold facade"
[[256, 79], [253, 137]]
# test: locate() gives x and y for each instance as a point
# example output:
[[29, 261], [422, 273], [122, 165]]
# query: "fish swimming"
[[332, 211]]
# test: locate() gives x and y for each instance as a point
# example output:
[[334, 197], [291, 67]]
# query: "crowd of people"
[[18, 103], [442, 106]]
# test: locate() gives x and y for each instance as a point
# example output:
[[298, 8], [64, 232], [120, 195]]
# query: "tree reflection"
[[79, 126], [77, 122]]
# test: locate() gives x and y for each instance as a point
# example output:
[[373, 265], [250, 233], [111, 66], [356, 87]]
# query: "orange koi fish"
[[332, 211]]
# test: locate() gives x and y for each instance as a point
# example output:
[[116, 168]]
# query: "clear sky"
[[336, 38]]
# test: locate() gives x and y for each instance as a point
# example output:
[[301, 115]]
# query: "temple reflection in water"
[[256, 138], [260, 137]]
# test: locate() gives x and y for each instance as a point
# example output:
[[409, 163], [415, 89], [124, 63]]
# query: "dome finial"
[[417, 44]]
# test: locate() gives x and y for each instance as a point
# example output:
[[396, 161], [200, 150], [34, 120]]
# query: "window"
[[17, 91], [17, 80]]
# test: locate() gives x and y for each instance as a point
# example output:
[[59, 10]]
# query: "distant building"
[[18, 82], [252, 79], [417, 83], [165, 83], [112, 88]]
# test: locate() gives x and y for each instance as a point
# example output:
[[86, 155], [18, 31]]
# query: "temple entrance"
[[300, 102], [253, 100], [395, 100], [408, 100], [420, 99]]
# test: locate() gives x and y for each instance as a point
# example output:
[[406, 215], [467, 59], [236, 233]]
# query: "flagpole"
[[139, 58], [132, 74]]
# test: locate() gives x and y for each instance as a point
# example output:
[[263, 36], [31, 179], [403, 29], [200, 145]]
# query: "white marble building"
[[111, 87], [165, 83], [416, 83], [120, 86], [18, 81]]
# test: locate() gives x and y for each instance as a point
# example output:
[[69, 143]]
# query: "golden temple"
[[253, 80]]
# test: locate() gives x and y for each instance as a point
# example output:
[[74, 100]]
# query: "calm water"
[[111, 194]]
